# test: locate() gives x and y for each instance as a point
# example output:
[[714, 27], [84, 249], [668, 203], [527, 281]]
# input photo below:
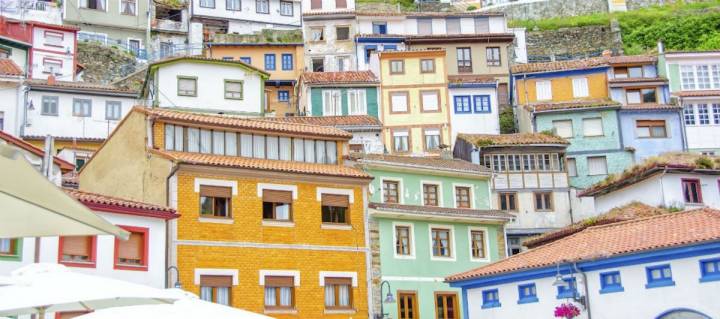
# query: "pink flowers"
[[567, 311]]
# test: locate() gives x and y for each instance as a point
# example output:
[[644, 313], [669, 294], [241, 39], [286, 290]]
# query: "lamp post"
[[388, 299], [577, 297], [177, 272]]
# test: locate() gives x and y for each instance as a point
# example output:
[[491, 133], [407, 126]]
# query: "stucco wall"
[[111, 17], [371, 100], [561, 86], [474, 123], [646, 147], [330, 48], [248, 13]]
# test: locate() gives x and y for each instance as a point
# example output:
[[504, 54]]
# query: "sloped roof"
[[559, 65], [334, 121], [205, 59], [628, 59], [636, 80], [698, 93], [345, 77], [483, 140], [569, 105], [424, 162], [12, 140], [650, 106], [8, 67], [329, 12], [442, 211], [79, 86], [472, 78], [112, 204], [605, 241], [630, 211]]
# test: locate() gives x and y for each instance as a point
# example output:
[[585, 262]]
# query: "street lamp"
[[388, 299], [177, 272]]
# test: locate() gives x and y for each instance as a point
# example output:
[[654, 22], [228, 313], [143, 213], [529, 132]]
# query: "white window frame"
[[472, 194], [602, 129], [335, 95], [411, 229], [572, 132], [120, 8], [580, 87], [453, 251], [360, 104], [485, 241], [587, 160], [216, 272], [543, 84], [567, 165]]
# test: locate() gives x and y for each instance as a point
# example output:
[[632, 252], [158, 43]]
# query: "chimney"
[[51, 79], [445, 152], [660, 47], [606, 53]]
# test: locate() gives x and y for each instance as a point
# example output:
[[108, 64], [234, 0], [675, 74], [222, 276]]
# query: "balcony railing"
[[41, 11], [169, 25]]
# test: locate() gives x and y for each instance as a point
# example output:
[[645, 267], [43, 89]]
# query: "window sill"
[[404, 256], [216, 220], [480, 260], [527, 300], [567, 295], [491, 305], [709, 278], [336, 226], [610, 290], [436, 258], [133, 268], [340, 311], [275, 223], [658, 284], [77, 264], [281, 311]]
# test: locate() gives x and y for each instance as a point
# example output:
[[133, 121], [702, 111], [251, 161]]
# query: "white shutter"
[[230, 143], [430, 101], [563, 128], [310, 151], [179, 138], [398, 102], [361, 102], [543, 90], [205, 141], [169, 135], [597, 165], [320, 152], [331, 151], [246, 145], [580, 87], [259, 146], [327, 103], [633, 97], [352, 102], [272, 147], [219, 142], [592, 127], [193, 140]]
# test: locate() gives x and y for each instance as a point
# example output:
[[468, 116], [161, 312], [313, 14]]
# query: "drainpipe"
[[168, 235], [682, 124], [585, 286], [662, 186]]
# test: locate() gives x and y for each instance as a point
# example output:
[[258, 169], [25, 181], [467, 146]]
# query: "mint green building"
[[429, 218], [339, 93]]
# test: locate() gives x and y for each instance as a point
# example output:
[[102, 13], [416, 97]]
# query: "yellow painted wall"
[[257, 57], [279, 107], [562, 88]]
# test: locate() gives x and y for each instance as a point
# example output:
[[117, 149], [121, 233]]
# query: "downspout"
[[23, 123], [585, 287], [662, 186], [168, 235], [682, 124]]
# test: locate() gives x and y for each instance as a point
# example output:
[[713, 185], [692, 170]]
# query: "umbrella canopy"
[[190, 308], [31, 206], [43, 288]]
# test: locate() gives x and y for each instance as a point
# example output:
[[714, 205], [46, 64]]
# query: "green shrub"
[[507, 121], [471, 8], [704, 162]]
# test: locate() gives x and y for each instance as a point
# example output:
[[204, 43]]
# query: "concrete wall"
[[248, 20], [109, 21], [474, 123], [330, 48], [534, 10], [646, 147]]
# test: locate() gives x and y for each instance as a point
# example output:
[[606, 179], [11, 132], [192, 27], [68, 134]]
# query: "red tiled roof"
[[472, 78], [326, 13], [460, 38], [204, 58], [91, 87], [427, 162], [442, 211], [628, 59], [244, 123], [265, 164], [9, 68], [699, 93], [650, 106], [65, 138], [12, 140], [630, 211], [559, 65], [334, 121], [346, 77], [567, 105], [605, 241], [483, 140], [112, 204]]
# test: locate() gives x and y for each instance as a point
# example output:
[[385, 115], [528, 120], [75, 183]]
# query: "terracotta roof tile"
[[346, 77], [442, 211], [118, 205], [12, 140], [472, 78], [626, 59], [65, 138], [426, 162], [636, 80], [459, 38], [428, 14], [650, 106], [482, 140], [92, 87], [559, 65], [334, 121], [698, 93], [244, 123], [204, 58], [630, 211], [634, 236], [569, 105], [9, 68], [265, 164], [328, 12]]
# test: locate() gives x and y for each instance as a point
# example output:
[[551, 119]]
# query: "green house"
[[339, 93], [429, 217]]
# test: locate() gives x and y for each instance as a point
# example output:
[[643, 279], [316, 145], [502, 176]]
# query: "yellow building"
[[284, 62], [415, 109], [272, 221]]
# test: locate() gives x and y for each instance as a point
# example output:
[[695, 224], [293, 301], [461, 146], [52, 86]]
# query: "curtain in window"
[[282, 211], [331, 151], [205, 141], [206, 293], [272, 147], [310, 151], [343, 295], [246, 145], [298, 149], [259, 146], [270, 296], [285, 152], [429, 101], [230, 144], [219, 142], [286, 296], [320, 152], [223, 295], [193, 140], [169, 137], [329, 295]]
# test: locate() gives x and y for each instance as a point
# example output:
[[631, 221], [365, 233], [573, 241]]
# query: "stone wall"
[[526, 10], [104, 64], [637, 4], [571, 43]]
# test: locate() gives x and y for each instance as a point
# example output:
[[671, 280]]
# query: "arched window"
[[682, 314]]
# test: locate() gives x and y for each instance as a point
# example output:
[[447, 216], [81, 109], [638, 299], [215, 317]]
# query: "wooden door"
[[446, 306], [407, 305], [502, 92]]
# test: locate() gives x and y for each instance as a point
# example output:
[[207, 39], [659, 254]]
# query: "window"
[[403, 241], [342, 63], [462, 104], [477, 244], [452, 25], [113, 110], [233, 5], [432, 139], [391, 192], [286, 8], [233, 90], [283, 96], [397, 67], [427, 66], [650, 128], [215, 201], [572, 167], [335, 209], [597, 165], [508, 201], [270, 62], [481, 103], [277, 205], [398, 102], [493, 56], [543, 90], [462, 197], [407, 305], [499, 163], [93, 4], [703, 115], [689, 114], [424, 26], [332, 102], [315, 4], [441, 242], [246, 59], [580, 87], [563, 128], [659, 276], [703, 77], [464, 60], [187, 86], [592, 127], [318, 64], [379, 27], [430, 195], [52, 66], [54, 39], [50, 105], [692, 192], [340, 4], [401, 141], [77, 251], [635, 71], [338, 293], [357, 103], [490, 298], [687, 77], [430, 101], [716, 113], [207, 3], [10, 247], [568, 289], [317, 34], [216, 288], [529, 162], [641, 96], [610, 282], [527, 293], [446, 306], [514, 163], [132, 254], [262, 6], [287, 62], [482, 25], [279, 292], [709, 270], [128, 7], [342, 33], [82, 107], [543, 201]]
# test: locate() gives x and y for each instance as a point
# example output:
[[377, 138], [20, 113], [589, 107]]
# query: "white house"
[[35, 155], [12, 76], [205, 85], [475, 105], [676, 180], [529, 181], [248, 17], [329, 29], [658, 267], [141, 259]]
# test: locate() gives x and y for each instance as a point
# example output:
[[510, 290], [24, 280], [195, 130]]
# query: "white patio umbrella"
[[31, 206], [43, 288], [188, 308]]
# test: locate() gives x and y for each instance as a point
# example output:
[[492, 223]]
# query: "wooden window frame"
[[425, 193], [650, 124], [469, 195], [474, 246], [92, 255], [146, 249], [493, 63], [505, 194], [450, 248], [639, 91], [398, 245], [398, 190], [402, 67], [432, 70], [550, 202], [183, 77], [424, 141], [455, 304], [274, 211], [407, 101], [422, 104], [696, 181], [464, 68], [409, 143], [336, 287], [277, 297], [347, 211], [228, 199], [414, 298]]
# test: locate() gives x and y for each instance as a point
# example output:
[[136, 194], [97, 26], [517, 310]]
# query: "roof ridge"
[[642, 219], [162, 207]]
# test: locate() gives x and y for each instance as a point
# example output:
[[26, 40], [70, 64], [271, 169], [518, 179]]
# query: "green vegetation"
[[507, 121], [471, 8], [598, 19], [408, 5]]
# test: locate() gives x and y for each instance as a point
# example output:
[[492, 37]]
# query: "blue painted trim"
[[280, 83], [570, 291], [455, 104], [289, 61], [660, 282], [522, 298], [606, 263], [490, 303], [527, 300], [465, 310], [475, 104], [706, 276], [389, 47], [381, 40], [472, 85], [270, 61], [667, 312], [610, 288], [246, 59], [283, 96], [554, 74]]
